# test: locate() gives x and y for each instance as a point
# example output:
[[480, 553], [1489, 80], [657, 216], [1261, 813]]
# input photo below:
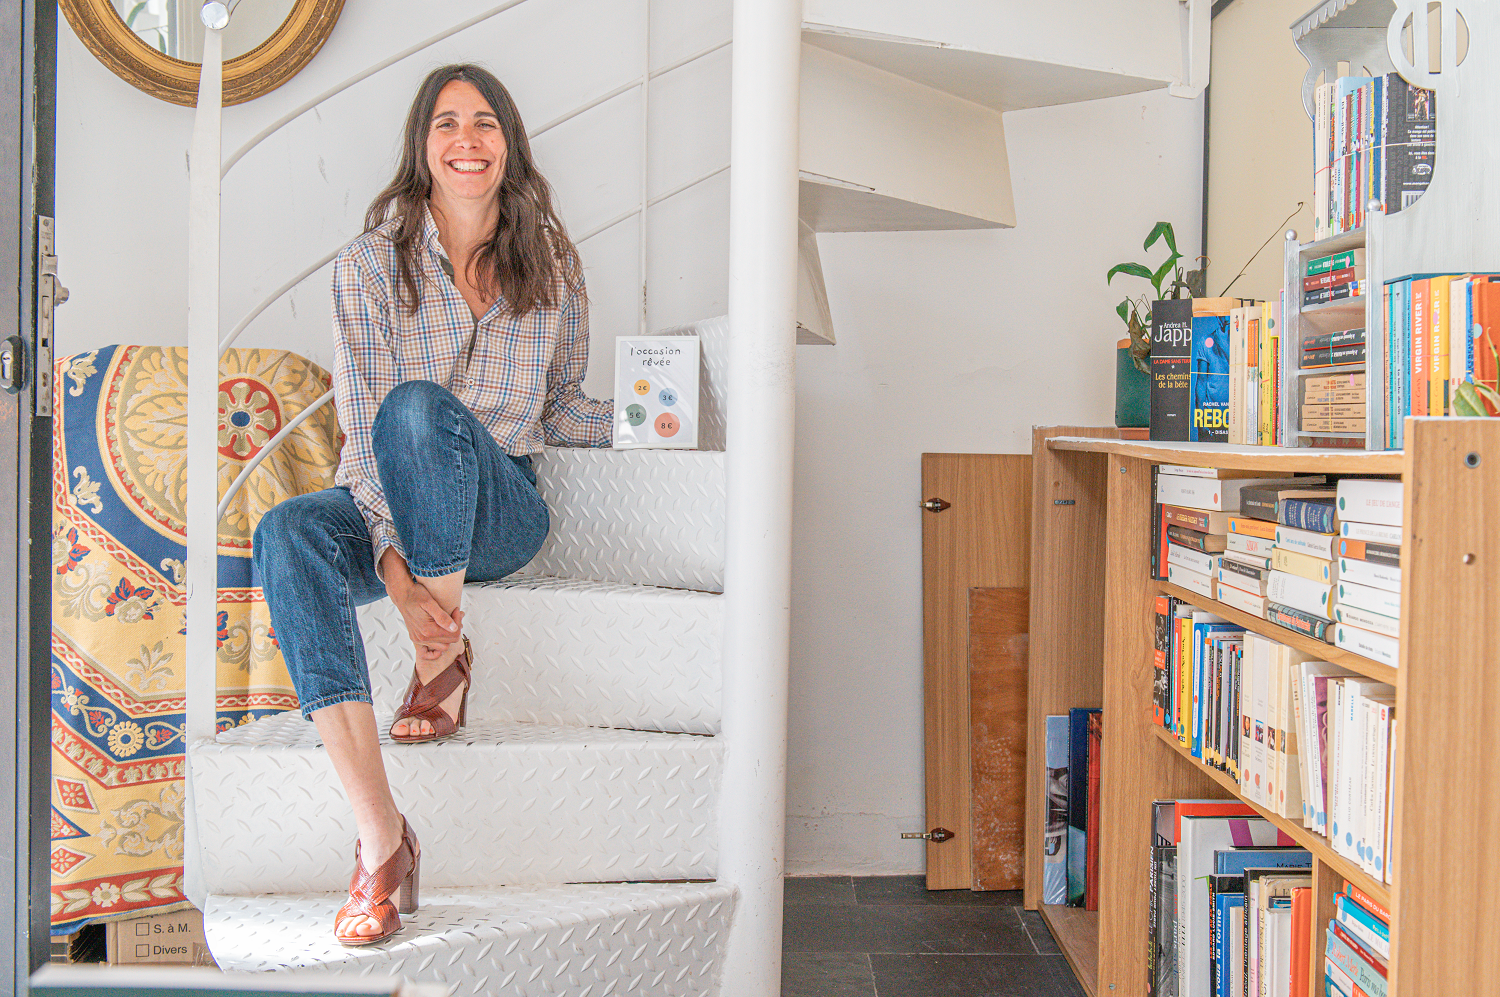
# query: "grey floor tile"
[[826, 974], [1041, 935], [903, 928], [819, 890], [973, 976], [913, 890]]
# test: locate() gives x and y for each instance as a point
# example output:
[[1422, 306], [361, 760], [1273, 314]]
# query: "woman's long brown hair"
[[529, 249]]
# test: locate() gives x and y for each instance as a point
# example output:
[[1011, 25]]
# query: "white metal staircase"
[[591, 757]]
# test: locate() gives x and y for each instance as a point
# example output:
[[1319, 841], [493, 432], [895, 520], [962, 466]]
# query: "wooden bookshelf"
[[1092, 628]]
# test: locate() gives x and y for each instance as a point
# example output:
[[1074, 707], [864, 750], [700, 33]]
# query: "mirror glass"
[[173, 27]]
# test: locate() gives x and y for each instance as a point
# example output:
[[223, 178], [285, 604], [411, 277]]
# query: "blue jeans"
[[457, 501]]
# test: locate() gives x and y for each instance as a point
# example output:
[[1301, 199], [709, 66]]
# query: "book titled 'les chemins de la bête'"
[[1189, 374]]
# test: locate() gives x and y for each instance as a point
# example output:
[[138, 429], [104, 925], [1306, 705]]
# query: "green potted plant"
[[1132, 369]]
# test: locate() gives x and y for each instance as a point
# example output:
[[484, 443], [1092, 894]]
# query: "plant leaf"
[[1123, 310], [1466, 402], [1490, 395], [1163, 270], [1133, 269], [1163, 230]]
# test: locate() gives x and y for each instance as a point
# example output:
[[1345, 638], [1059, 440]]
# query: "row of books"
[[1306, 739], [1441, 330], [1358, 951], [1374, 138], [1319, 557], [1221, 884], [1231, 911], [1070, 842], [1334, 403], [1216, 370]]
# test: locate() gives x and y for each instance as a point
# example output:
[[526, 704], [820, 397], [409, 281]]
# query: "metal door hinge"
[[49, 294], [937, 835], [935, 505]]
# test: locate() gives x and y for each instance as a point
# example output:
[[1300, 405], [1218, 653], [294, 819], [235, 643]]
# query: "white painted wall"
[[953, 341], [947, 342], [122, 170]]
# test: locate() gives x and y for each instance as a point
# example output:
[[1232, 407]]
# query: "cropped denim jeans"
[[457, 502]]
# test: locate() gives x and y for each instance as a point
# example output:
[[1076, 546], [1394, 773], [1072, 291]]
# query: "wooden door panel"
[[982, 539], [999, 619]]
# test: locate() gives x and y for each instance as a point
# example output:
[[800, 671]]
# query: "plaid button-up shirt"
[[520, 375]]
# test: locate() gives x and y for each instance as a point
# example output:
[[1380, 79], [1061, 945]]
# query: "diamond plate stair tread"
[[563, 651], [501, 803], [642, 517], [583, 941]]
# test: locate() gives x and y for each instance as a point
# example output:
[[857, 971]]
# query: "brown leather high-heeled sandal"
[[370, 892], [424, 702]]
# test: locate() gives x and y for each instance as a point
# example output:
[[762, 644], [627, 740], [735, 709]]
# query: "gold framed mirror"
[[153, 44]]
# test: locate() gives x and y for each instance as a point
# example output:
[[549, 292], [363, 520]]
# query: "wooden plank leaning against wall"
[[980, 539]]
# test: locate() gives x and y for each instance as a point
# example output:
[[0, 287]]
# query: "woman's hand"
[[430, 628]]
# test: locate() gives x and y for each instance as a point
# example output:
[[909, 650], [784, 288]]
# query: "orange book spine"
[[1302, 941], [1419, 368]]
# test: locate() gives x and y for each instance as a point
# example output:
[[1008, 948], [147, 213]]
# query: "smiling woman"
[[154, 44]]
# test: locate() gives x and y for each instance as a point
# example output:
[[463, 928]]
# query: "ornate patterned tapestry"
[[119, 501]]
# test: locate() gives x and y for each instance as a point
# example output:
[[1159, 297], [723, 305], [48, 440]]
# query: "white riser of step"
[[641, 517], [580, 941], [557, 651], [497, 804]]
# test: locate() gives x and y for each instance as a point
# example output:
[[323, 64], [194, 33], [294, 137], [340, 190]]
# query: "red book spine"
[[1360, 897], [1091, 861]]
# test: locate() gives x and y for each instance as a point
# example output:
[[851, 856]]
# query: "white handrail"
[[201, 671], [271, 445], [254, 313]]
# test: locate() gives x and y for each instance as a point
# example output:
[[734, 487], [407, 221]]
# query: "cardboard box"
[[175, 938]]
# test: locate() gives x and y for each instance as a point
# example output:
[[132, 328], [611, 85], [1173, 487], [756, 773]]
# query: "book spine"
[[1438, 350], [1302, 514], [1324, 340], [1371, 500], [1319, 545], [1308, 624], [1370, 573], [1364, 900], [1171, 358], [1333, 356], [1370, 645], [1193, 519], [1385, 626], [1419, 354], [1361, 972], [1323, 295]]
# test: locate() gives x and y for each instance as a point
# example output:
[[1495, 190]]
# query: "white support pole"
[[201, 667], [757, 575]]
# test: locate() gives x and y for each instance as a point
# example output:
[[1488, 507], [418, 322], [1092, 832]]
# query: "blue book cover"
[[1235, 861], [1228, 942], [1202, 634], [1208, 383], [1055, 837], [1078, 801]]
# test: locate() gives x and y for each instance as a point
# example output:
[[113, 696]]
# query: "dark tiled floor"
[[888, 936]]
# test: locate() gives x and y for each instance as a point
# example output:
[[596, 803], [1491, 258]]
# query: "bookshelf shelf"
[[1367, 667], [1302, 460], [1351, 307], [1077, 933], [1091, 645], [1315, 843]]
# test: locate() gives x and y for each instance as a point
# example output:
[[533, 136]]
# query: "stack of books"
[[1332, 278], [1367, 574], [1359, 946], [1374, 137], [1334, 403], [1195, 508], [1215, 366], [1440, 331]]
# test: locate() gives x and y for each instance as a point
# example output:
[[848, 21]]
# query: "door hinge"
[[937, 835], [936, 505], [49, 294]]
